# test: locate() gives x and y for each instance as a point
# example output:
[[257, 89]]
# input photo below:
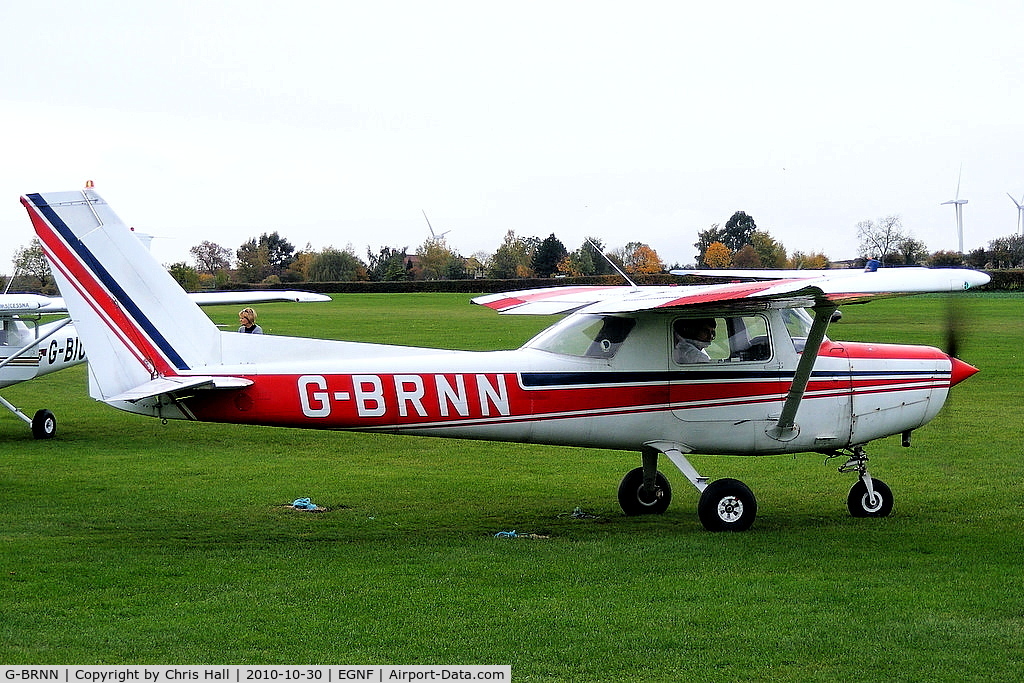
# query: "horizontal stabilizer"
[[255, 297], [23, 304], [169, 385]]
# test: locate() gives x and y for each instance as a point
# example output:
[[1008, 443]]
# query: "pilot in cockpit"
[[692, 339]]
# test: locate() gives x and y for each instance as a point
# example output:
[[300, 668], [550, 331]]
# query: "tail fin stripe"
[[88, 271], [119, 330]]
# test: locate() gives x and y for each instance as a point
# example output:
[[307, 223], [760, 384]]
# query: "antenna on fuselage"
[[613, 264]]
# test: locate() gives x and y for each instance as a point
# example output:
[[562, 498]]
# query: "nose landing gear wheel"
[[727, 505], [861, 504]]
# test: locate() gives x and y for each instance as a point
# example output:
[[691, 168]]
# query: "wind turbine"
[[1020, 212], [434, 235], [958, 205]]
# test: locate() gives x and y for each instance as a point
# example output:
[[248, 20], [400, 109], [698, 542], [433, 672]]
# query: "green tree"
[[911, 252], [1007, 252], [335, 265], [253, 261], [30, 261], [261, 257], [705, 239], [547, 256], [438, 261], [594, 248], [978, 258], [279, 252], [771, 252], [738, 231], [186, 276], [387, 265], [954, 259], [512, 259]]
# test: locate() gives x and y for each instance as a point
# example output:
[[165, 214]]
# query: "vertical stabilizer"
[[134, 319]]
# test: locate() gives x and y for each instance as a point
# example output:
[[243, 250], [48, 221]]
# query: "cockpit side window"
[[721, 339]]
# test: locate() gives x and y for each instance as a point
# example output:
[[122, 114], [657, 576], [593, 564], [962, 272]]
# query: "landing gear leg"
[[869, 497], [645, 490], [725, 504], [43, 423]]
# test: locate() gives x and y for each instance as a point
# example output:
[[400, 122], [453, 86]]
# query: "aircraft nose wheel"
[[727, 505], [862, 504]]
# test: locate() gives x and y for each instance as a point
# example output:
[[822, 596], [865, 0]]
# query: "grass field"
[[128, 541]]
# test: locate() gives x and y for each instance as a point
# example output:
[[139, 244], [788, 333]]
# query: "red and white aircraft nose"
[[960, 371]]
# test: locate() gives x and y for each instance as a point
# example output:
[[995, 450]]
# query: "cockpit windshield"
[[590, 336], [798, 323]]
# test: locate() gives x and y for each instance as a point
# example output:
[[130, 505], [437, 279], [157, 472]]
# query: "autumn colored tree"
[[812, 261], [644, 259], [747, 257], [717, 256], [705, 238]]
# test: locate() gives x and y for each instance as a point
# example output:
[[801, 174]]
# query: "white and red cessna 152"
[[614, 373]]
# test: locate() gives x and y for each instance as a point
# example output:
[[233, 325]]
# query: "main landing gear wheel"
[[44, 424], [727, 505], [861, 503], [634, 500]]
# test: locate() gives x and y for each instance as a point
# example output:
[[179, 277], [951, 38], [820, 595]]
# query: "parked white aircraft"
[[734, 369]]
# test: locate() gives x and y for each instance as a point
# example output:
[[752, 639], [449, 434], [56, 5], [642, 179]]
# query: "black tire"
[[633, 499], [44, 424], [859, 504], [727, 505]]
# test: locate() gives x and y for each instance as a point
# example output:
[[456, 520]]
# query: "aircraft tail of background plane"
[[137, 321]]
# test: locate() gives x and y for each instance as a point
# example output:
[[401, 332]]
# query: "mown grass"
[[128, 541]]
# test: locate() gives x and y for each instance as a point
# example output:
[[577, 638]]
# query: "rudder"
[[135, 320]]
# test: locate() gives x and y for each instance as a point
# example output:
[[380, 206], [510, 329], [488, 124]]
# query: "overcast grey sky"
[[336, 122]]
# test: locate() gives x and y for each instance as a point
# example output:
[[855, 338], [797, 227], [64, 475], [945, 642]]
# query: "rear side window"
[[591, 336]]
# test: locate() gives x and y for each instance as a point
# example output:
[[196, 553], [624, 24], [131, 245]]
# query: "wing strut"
[[787, 429]]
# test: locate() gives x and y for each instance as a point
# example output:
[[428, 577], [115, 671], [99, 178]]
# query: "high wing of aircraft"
[[741, 368], [31, 346]]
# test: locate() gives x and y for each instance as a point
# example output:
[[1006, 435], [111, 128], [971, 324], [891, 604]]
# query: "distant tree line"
[[270, 259]]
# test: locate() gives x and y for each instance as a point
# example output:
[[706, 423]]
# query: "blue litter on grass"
[[303, 504], [515, 534]]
